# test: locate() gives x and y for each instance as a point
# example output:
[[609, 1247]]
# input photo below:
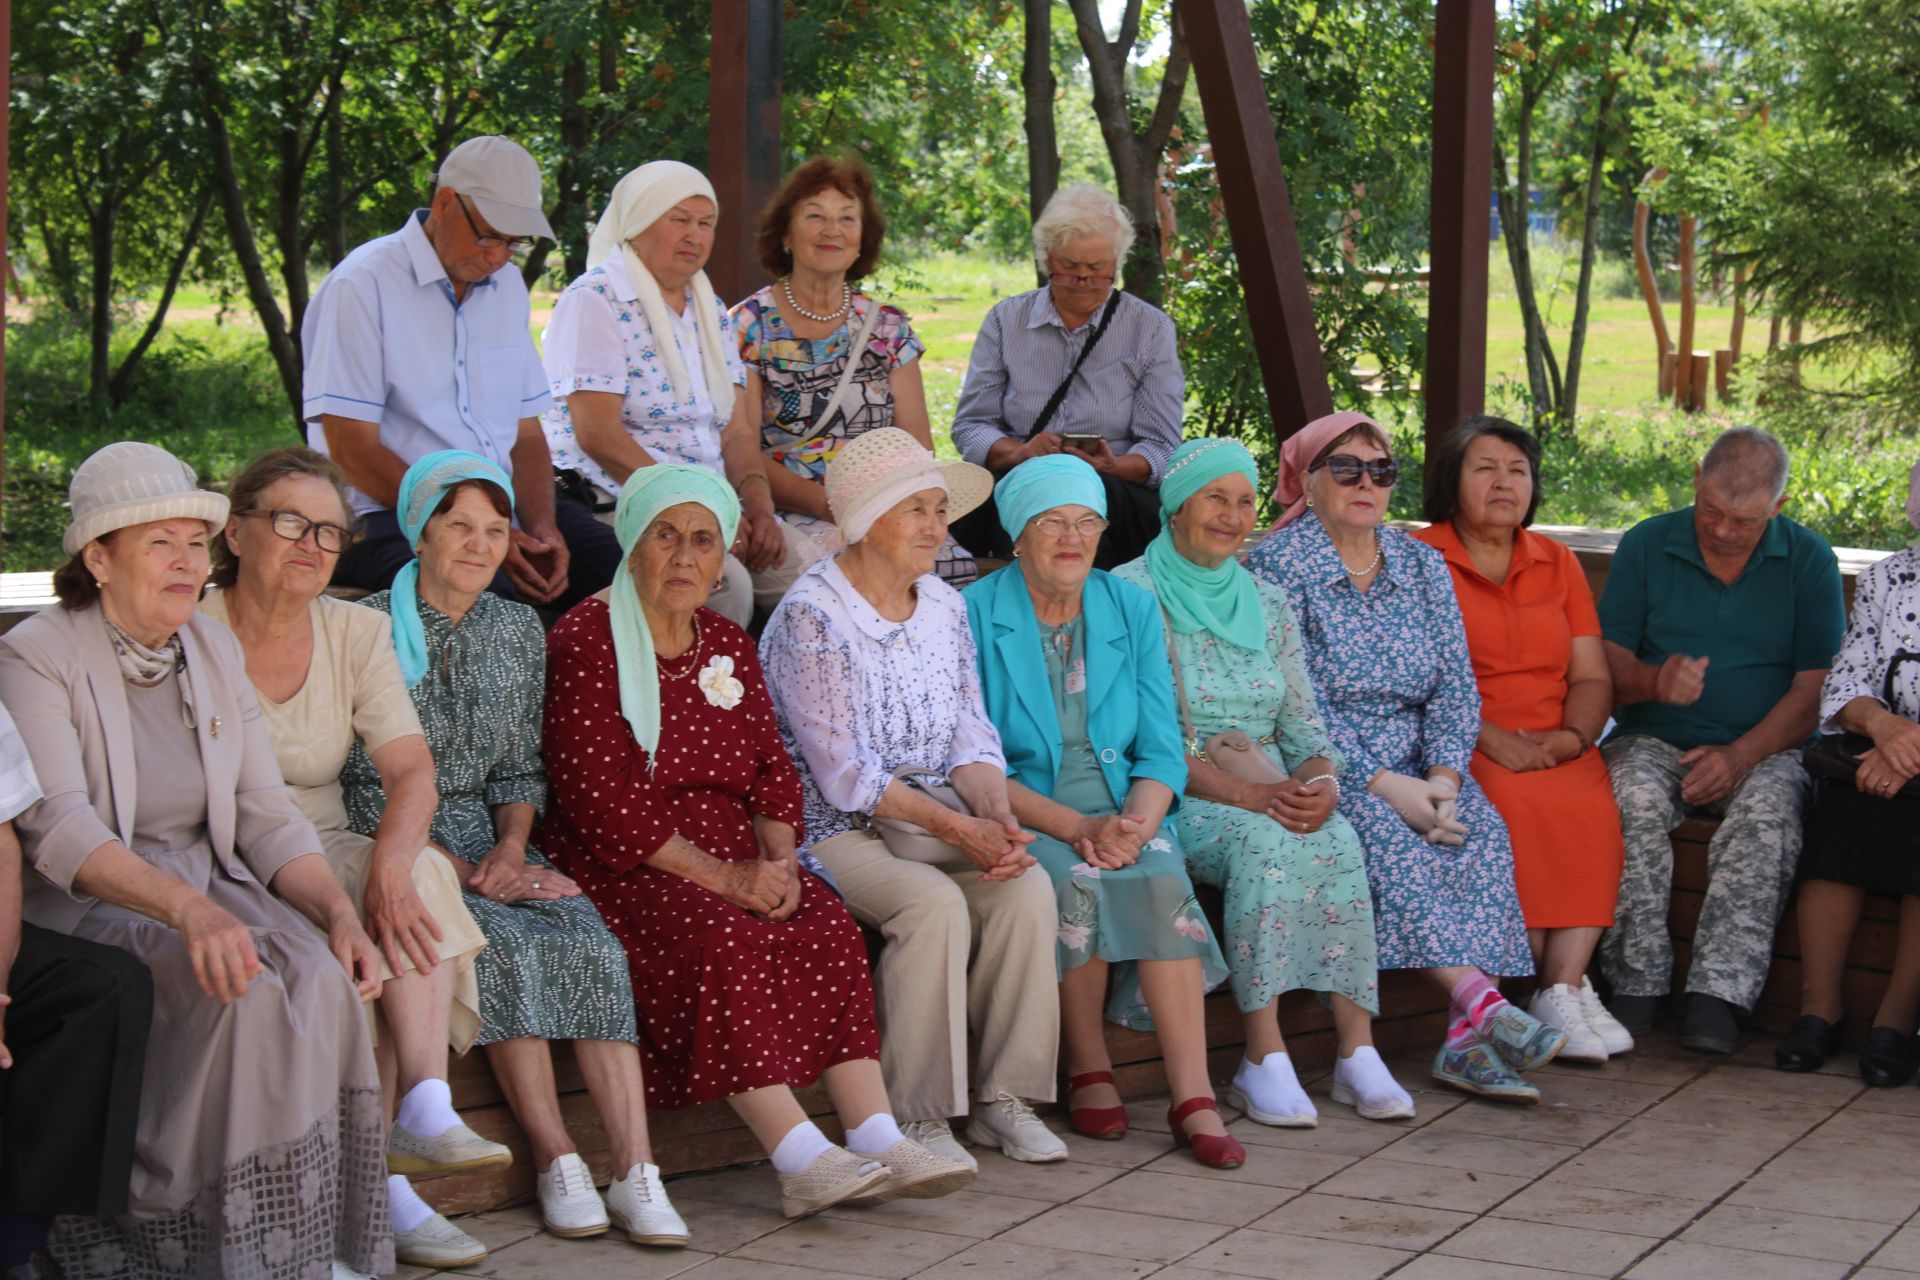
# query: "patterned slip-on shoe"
[[1522, 1040], [918, 1174], [1477, 1069], [837, 1176], [458, 1150]]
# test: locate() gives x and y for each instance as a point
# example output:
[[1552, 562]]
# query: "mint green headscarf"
[[1223, 600], [647, 493]]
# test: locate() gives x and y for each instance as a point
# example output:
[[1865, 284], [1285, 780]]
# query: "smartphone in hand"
[[1081, 442]]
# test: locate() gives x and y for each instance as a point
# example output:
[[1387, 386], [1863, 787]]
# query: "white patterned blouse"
[[1885, 621]]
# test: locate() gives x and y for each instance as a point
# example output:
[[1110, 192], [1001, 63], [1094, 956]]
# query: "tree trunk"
[[100, 228], [1589, 252], [336, 245], [60, 269], [576, 135], [281, 343], [1542, 378], [289, 190], [1036, 79], [122, 380]]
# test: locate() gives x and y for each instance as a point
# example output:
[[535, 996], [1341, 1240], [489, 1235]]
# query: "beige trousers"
[[960, 951]]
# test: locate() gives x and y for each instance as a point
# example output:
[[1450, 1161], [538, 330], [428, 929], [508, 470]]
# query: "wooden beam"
[[1253, 187], [1463, 49], [743, 135], [6, 250]]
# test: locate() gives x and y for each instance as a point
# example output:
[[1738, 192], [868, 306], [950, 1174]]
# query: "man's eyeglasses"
[[515, 246], [1059, 526], [1068, 277], [291, 525], [1347, 470]]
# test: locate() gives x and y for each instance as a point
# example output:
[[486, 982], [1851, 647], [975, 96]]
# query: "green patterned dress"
[[1298, 912], [550, 969]]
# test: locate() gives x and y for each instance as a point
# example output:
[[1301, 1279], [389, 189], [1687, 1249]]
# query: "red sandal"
[[1209, 1149], [1106, 1123]]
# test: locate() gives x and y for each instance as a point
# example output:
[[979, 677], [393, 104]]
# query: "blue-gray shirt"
[[386, 342]]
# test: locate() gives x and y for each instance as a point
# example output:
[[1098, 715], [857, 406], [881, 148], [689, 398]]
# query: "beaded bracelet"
[[1323, 777]]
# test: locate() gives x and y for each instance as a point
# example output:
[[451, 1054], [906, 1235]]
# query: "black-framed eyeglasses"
[[515, 245], [1068, 277], [291, 525], [1347, 469]]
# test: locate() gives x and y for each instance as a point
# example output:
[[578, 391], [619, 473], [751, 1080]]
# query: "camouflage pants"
[[1750, 866]]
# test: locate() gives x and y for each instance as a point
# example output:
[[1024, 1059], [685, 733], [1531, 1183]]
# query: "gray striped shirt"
[[1130, 390], [19, 788]]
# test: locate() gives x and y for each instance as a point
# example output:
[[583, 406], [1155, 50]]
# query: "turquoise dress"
[[1298, 913]]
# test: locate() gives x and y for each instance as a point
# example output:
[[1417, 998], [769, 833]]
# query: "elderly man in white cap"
[[419, 341]]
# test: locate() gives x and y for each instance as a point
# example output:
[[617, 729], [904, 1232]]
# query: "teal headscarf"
[[647, 493], [421, 490], [1041, 484], [1222, 600]]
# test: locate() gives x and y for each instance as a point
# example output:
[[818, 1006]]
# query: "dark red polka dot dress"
[[727, 1002]]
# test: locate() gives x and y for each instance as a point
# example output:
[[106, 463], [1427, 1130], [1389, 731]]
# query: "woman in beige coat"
[[166, 831]]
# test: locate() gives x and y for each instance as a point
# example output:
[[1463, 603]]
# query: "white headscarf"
[[638, 201]]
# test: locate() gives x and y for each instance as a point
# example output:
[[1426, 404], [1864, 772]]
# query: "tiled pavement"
[[1660, 1166]]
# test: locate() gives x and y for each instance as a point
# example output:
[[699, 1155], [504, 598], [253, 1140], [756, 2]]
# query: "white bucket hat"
[[129, 483], [873, 472], [502, 179]]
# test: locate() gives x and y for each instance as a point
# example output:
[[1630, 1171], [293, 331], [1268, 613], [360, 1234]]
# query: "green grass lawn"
[[209, 392]]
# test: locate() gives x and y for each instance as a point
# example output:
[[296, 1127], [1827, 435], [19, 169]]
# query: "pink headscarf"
[[1301, 448]]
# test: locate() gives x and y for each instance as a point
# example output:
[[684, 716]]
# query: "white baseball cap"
[[502, 179]]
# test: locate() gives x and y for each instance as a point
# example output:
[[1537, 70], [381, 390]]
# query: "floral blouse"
[[1886, 620], [858, 696], [1390, 663], [798, 376], [599, 340]]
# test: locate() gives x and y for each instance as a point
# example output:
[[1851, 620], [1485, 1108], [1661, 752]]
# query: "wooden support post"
[[1462, 189], [6, 250], [1259, 212], [743, 135]]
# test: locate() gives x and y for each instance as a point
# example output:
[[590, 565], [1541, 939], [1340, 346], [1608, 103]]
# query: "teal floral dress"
[[550, 969], [1298, 912]]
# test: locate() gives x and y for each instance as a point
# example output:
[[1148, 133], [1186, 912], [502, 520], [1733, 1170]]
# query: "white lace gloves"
[[1425, 804]]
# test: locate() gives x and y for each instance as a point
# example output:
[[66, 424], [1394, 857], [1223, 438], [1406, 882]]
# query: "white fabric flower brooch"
[[718, 684]]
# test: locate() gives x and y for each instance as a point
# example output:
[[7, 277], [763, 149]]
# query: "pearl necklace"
[[846, 302], [1357, 574]]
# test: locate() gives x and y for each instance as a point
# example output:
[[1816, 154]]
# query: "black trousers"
[[77, 1030], [381, 551], [1133, 520]]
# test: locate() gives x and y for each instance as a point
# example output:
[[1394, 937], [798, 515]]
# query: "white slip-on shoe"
[[937, 1137], [1270, 1093], [837, 1176], [638, 1205], [1612, 1033], [437, 1243], [1009, 1124], [1559, 1006], [1361, 1081], [569, 1206], [458, 1150]]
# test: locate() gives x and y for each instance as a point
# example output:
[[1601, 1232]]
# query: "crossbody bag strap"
[[823, 423], [1060, 392]]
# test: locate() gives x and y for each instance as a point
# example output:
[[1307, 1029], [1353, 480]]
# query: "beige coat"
[[60, 679]]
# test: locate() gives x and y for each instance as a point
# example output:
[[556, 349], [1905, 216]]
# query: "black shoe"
[[1887, 1058], [1635, 1013], [1711, 1025], [1808, 1045]]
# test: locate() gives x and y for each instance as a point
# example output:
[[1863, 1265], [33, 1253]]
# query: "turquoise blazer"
[[1131, 719]]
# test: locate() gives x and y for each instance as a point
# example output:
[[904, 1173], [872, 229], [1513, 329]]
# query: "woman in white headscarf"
[[643, 364]]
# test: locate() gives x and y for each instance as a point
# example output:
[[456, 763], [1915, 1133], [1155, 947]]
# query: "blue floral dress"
[[1298, 913], [1393, 673]]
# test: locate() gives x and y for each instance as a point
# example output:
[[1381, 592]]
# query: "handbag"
[[1835, 757], [911, 841], [1232, 751]]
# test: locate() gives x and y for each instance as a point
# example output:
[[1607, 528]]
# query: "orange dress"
[[1567, 849]]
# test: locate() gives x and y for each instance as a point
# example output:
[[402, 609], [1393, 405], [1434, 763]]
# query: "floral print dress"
[[1297, 910], [1391, 666], [550, 969]]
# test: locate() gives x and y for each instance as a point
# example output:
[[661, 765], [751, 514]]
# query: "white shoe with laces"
[[1009, 1124], [638, 1205], [1560, 1006], [569, 1206], [937, 1137], [1613, 1035]]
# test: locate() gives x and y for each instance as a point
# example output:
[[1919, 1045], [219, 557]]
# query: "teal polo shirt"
[[1784, 614]]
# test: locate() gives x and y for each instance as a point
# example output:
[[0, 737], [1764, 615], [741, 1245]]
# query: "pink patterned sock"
[[1476, 999], [1460, 1033]]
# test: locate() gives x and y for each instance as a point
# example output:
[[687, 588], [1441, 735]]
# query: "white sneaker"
[[638, 1205], [569, 1206], [1009, 1124], [1613, 1035], [1270, 1093], [1361, 1081], [437, 1243], [937, 1137], [1559, 1006]]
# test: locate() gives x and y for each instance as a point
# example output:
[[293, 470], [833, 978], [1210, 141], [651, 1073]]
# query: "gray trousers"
[[1750, 865]]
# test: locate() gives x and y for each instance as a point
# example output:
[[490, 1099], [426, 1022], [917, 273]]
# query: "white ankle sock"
[[1369, 1079], [875, 1135], [427, 1110], [803, 1145], [1271, 1085], [405, 1204]]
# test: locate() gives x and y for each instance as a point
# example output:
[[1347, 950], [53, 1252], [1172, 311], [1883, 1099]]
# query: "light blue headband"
[[421, 490]]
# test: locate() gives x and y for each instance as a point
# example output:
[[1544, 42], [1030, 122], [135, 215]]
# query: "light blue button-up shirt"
[[387, 342]]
